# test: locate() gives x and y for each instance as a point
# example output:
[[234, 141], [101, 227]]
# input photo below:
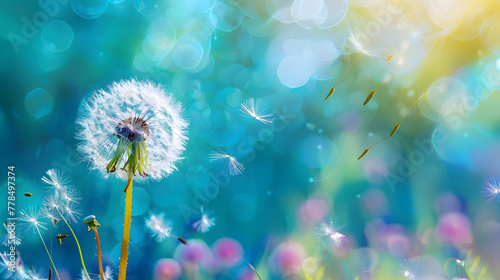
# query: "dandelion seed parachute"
[[226, 162], [492, 190], [132, 115]]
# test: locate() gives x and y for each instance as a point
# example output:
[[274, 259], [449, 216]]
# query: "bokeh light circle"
[[57, 36], [489, 33], [187, 53], [161, 33], [89, 9], [491, 74], [38, 103]]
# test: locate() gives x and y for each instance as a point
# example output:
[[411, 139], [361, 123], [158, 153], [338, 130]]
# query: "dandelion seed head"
[[158, 226], [258, 109], [226, 162], [132, 116], [413, 25]]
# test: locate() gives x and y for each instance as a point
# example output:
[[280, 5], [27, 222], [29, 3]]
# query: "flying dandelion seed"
[[205, 223], [158, 226], [34, 274], [328, 229], [30, 220], [257, 109], [108, 273], [369, 148], [413, 25], [5, 239], [410, 268], [226, 162], [57, 180], [491, 190], [361, 43]]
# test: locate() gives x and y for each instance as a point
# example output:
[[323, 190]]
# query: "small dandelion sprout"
[[258, 109], [327, 229], [57, 179], [226, 162], [205, 223], [491, 190], [132, 129], [92, 223], [158, 226]]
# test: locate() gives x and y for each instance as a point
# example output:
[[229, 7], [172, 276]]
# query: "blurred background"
[[413, 202]]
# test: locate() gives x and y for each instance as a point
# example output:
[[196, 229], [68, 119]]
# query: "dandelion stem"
[[122, 274], [48, 253], [242, 136], [395, 69], [77, 243], [331, 91], [99, 252], [415, 102]]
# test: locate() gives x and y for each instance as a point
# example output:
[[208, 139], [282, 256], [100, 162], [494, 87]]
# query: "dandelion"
[[29, 219], [410, 268], [205, 223], [136, 131], [363, 44], [492, 190], [257, 109]]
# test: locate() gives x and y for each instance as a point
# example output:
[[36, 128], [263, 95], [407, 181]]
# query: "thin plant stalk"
[[50, 257], [242, 136], [122, 274], [99, 252], [77, 244]]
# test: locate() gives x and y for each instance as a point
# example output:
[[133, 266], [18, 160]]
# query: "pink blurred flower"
[[196, 252], [227, 252], [313, 211], [287, 258], [454, 227], [167, 269]]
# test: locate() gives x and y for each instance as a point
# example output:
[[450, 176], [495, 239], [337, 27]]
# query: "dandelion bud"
[[91, 222]]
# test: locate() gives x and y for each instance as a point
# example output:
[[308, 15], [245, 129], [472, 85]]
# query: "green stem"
[[122, 274], [77, 244], [48, 253]]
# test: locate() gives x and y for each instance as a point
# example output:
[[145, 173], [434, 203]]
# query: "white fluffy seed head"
[[133, 111]]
